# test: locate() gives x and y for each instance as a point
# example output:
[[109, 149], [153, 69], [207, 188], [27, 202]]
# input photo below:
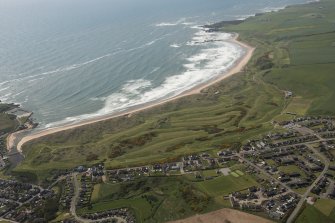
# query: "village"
[[20, 202], [293, 165]]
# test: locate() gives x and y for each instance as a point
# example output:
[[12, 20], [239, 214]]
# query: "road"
[[75, 198], [305, 195]]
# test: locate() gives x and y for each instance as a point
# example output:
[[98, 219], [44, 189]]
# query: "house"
[[226, 152], [294, 174]]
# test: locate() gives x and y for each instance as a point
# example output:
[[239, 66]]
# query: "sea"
[[73, 60]]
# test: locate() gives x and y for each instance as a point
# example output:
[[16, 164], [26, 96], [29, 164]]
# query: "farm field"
[[326, 206], [311, 214], [224, 185]]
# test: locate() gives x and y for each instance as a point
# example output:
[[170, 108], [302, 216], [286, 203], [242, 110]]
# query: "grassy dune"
[[295, 51], [8, 123]]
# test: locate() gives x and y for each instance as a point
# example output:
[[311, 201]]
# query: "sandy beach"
[[239, 65]]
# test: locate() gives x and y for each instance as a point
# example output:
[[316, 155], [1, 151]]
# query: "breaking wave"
[[182, 21], [175, 45], [217, 56]]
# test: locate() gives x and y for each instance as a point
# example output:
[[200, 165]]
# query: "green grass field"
[[291, 169], [153, 199], [239, 172], [326, 206], [307, 38], [311, 214], [160, 199], [322, 211], [103, 191], [224, 185], [140, 206]]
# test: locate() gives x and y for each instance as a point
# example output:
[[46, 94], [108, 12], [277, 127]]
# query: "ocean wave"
[[55, 71], [218, 56], [4, 82], [187, 23], [175, 45], [244, 17], [36, 77], [98, 99], [135, 87], [155, 70], [17, 94], [203, 37], [166, 24], [3, 89], [273, 9], [182, 21], [6, 97], [145, 44]]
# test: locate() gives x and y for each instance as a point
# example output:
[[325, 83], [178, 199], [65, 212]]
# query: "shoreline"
[[236, 68]]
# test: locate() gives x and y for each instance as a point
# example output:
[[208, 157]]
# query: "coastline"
[[236, 68]]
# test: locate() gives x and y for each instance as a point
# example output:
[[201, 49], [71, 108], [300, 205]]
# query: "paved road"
[[304, 196]]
